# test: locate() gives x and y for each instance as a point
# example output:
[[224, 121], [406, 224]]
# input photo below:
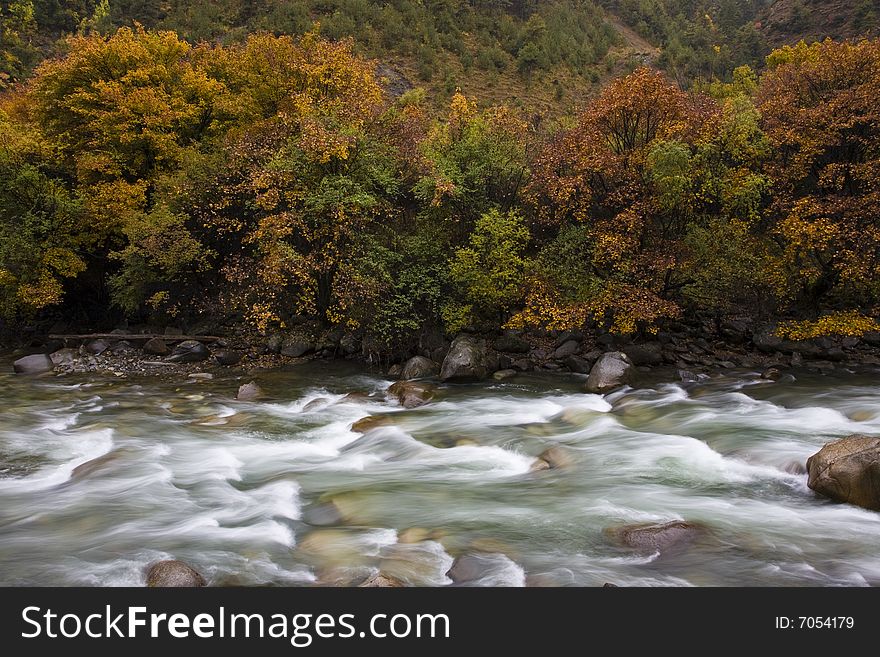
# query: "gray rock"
[[766, 340], [611, 371], [648, 353], [566, 336], [395, 371], [64, 356], [189, 351], [566, 349], [249, 392], [686, 376], [412, 394], [34, 364], [578, 365], [418, 367], [848, 470], [173, 573], [503, 375], [97, 347], [274, 343], [349, 344], [466, 360], [606, 340], [156, 347], [294, 348], [121, 348], [511, 344], [227, 357], [771, 374], [522, 365]]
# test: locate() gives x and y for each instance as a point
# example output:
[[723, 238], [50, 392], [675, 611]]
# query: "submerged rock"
[[503, 375], [611, 371], [657, 537], [466, 360], [848, 470], [34, 364], [173, 573], [418, 367], [371, 422]]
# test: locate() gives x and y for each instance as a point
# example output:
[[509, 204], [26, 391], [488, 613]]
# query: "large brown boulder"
[[848, 470], [658, 537], [412, 394], [418, 367]]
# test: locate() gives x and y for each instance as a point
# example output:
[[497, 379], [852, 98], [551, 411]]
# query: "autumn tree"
[[821, 115]]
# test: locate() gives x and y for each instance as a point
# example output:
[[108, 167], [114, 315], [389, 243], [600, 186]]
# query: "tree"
[[820, 113]]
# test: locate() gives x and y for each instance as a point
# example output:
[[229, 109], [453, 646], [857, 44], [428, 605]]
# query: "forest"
[[256, 163]]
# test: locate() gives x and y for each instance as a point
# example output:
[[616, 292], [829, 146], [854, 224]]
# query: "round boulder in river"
[[466, 360], [848, 470], [173, 573], [34, 364], [189, 351], [249, 392], [657, 538], [611, 371], [418, 367], [412, 394]]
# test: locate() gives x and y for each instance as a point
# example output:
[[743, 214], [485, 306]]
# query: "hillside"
[[786, 21]]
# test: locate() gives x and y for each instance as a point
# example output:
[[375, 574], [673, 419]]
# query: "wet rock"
[[771, 374], [797, 360], [466, 360], [658, 537], [371, 422], [649, 353], [249, 392], [566, 349], [156, 347], [412, 394], [173, 573], [97, 347], [539, 465], [201, 376], [485, 569], [511, 344], [503, 375], [611, 371], [121, 348], [189, 351], [63, 356], [227, 357], [294, 348], [315, 404], [414, 535], [522, 365], [556, 457], [418, 367], [381, 581], [848, 470], [323, 514], [578, 365], [34, 364], [766, 340], [686, 376], [395, 371]]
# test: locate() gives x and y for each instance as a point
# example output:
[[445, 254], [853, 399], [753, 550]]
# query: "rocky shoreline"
[[682, 352]]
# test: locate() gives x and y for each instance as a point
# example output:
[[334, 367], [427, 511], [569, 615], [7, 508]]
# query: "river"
[[100, 476]]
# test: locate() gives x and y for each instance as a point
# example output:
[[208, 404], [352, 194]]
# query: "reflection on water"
[[100, 477]]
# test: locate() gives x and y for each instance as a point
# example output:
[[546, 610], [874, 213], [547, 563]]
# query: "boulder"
[[294, 348], [34, 364], [64, 356], [274, 343], [766, 340], [122, 347], [189, 351], [567, 336], [848, 470], [418, 367], [173, 573], [512, 344], [566, 349], [98, 346], [380, 580], [657, 537], [611, 371], [503, 375], [466, 360], [648, 353], [249, 392], [227, 357], [771, 374], [412, 394], [578, 365], [394, 371], [371, 422], [156, 347]]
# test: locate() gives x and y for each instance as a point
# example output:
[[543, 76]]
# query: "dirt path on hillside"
[[631, 38]]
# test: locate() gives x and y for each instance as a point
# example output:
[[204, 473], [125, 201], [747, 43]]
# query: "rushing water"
[[101, 476]]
